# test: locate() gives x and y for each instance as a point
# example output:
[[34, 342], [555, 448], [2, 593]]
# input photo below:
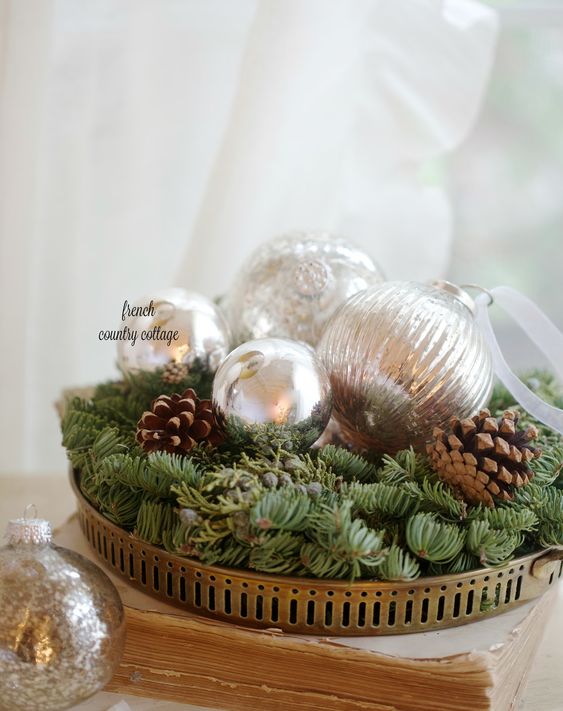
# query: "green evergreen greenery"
[[326, 513]]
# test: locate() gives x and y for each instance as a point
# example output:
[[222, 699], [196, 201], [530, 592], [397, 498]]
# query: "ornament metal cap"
[[455, 291], [28, 530]]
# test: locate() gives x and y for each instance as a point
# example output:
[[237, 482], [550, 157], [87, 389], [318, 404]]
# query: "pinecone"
[[177, 423], [483, 457], [174, 373]]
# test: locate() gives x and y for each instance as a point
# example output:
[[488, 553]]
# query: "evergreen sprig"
[[432, 540], [491, 546], [345, 464]]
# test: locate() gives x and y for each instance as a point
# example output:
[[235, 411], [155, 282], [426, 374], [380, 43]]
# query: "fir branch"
[[491, 546], [462, 563], [551, 508], [146, 386], [398, 564], [171, 469], [86, 434], [278, 552], [90, 486], [511, 518], [385, 500], [119, 504], [406, 465], [548, 468], [268, 439], [155, 474], [341, 546], [550, 533], [345, 464], [550, 514], [431, 540], [439, 498], [155, 520], [227, 552], [280, 510], [306, 469]]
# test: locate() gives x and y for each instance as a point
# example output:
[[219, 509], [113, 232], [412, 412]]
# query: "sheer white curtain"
[[147, 142]]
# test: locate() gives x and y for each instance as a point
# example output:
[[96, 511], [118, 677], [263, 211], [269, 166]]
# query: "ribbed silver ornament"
[[403, 357]]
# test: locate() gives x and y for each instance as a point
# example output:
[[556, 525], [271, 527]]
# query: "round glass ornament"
[[404, 357], [275, 386], [203, 335], [290, 286], [62, 627]]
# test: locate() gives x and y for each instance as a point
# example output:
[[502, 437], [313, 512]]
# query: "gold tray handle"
[[546, 564]]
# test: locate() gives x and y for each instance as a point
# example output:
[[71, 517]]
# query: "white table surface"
[[53, 497]]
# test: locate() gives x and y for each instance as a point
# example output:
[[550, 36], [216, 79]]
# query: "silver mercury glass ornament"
[[272, 385], [62, 626], [290, 286], [203, 335], [402, 358]]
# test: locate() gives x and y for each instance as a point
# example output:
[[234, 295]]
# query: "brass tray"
[[312, 606]]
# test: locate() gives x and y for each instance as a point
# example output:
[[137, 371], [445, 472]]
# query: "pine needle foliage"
[[430, 539], [399, 564], [491, 546], [345, 464], [326, 513]]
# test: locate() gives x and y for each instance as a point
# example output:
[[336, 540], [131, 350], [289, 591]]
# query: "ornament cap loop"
[[30, 509], [481, 290], [26, 530]]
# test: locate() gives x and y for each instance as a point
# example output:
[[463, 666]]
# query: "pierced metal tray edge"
[[316, 606]]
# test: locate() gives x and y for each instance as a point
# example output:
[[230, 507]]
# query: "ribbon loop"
[[545, 335]]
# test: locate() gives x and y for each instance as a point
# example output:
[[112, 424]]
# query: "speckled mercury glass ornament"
[[62, 625], [203, 335], [273, 383], [290, 286], [402, 358]]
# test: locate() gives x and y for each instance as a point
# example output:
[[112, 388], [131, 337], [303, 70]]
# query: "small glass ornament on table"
[[62, 627]]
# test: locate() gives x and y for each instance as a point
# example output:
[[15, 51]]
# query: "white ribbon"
[[545, 335]]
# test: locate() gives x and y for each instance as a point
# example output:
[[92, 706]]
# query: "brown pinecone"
[[177, 423], [174, 373], [483, 457]]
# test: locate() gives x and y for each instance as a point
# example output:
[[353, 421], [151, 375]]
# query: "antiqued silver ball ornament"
[[290, 286], [402, 358], [273, 385], [173, 326], [62, 627]]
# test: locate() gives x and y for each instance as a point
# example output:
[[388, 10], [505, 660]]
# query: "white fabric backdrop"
[[147, 142]]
